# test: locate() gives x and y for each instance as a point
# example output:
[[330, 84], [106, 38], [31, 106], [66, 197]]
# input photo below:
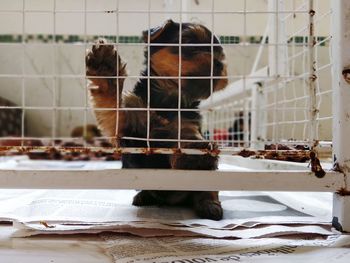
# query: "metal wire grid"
[[302, 102], [280, 101], [219, 118], [296, 95], [226, 124]]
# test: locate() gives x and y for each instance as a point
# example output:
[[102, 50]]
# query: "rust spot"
[[277, 147], [117, 154], [313, 77], [312, 30], [68, 152], [279, 153], [148, 151], [246, 153], [316, 165], [336, 167], [177, 151], [215, 152], [343, 192], [110, 11], [45, 224]]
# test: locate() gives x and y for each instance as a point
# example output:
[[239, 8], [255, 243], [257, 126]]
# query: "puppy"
[[198, 64]]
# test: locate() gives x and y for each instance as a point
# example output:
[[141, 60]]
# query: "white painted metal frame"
[[259, 180], [275, 180], [341, 107]]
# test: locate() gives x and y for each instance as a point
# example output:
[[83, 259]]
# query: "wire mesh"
[[43, 47], [296, 91]]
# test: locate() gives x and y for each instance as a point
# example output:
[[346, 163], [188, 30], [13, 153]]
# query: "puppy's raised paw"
[[103, 61], [209, 209]]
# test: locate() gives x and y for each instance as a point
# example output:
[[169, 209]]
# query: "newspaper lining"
[[246, 215], [303, 248]]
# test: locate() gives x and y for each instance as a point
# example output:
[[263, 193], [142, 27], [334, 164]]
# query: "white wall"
[[134, 23]]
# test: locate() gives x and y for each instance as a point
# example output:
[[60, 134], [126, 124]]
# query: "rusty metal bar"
[[312, 76], [282, 154]]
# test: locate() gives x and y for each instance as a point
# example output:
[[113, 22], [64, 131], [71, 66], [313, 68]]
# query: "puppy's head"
[[192, 53]]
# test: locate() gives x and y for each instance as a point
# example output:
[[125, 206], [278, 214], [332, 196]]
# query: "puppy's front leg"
[[102, 62], [106, 71], [206, 204]]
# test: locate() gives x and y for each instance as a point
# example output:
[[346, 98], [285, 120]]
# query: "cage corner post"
[[341, 109]]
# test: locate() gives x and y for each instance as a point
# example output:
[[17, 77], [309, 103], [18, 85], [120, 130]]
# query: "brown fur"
[[164, 61], [101, 61]]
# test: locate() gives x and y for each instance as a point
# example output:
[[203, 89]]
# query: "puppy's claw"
[[209, 209]]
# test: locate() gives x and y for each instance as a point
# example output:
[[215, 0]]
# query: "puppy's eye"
[[218, 65]]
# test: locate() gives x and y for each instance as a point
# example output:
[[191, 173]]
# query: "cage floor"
[[95, 248]]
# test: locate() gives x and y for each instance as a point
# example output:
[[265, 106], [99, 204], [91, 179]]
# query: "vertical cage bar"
[[86, 96], [245, 108], [149, 74], [312, 76], [212, 57], [258, 104], [179, 79], [277, 65], [258, 117], [341, 108], [54, 79], [23, 70], [118, 106]]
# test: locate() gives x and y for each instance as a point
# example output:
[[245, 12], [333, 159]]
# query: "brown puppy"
[[198, 64]]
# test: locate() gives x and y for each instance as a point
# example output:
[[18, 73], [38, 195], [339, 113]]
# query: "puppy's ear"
[[157, 33]]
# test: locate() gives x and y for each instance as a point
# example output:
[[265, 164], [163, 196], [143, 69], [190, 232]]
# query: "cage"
[[283, 109]]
